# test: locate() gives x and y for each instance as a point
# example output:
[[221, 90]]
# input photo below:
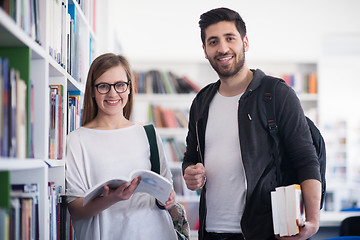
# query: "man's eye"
[[212, 42]]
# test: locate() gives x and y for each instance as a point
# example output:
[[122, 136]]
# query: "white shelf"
[[7, 164], [334, 219], [13, 36], [44, 70]]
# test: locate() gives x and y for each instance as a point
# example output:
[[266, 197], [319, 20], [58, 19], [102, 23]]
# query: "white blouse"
[[96, 155]]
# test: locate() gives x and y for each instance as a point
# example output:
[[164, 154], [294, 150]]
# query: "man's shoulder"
[[208, 90]]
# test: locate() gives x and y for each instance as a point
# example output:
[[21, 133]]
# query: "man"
[[228, 153]]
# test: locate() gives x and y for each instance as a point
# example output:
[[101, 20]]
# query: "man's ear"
[[246, 43], [203, 46]]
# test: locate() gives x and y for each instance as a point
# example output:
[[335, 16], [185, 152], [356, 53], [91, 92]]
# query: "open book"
[[287, 207], [151, 183]]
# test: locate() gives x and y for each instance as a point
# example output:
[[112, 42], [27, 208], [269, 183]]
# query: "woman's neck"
[[108, 123]]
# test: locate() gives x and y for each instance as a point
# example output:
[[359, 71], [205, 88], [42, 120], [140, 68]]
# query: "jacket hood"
[[206, 94]]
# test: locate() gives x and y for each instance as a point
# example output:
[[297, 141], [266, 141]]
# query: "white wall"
[[323, 31], [277, 29]]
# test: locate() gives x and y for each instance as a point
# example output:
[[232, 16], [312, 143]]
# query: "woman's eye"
[[102, 86], [120, 85]]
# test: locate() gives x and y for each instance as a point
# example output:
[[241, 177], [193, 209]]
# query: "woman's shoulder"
[[75, 134]]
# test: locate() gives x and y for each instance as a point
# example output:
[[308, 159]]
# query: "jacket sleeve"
[[191, 153], [295, 134]]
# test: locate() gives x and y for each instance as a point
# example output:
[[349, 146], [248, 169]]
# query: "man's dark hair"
[[221, 14]]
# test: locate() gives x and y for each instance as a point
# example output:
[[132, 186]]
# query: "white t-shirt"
[[96, 155], [226, 185]]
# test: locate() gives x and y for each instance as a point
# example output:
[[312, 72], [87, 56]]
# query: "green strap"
[[154, 153]]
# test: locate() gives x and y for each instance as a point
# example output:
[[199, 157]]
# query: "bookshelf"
[[301, 76], [44, 43], [168, 110]]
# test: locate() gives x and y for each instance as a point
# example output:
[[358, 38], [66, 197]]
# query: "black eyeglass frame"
[[112, 85]]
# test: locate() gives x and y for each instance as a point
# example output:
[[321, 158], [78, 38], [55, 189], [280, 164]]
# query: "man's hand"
[[311, 191], [307, 229], [194, 176]]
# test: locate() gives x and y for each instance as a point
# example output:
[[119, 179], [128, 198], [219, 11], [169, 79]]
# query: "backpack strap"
[[177, 213], [267, 106], [154, 152]]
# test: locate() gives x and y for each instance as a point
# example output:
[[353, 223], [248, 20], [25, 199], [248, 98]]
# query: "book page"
[[97, 190], [153, 184]]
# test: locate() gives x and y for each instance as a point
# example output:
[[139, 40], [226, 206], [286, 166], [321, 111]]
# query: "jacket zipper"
[[202, 161], [242, 162], [198, 143]]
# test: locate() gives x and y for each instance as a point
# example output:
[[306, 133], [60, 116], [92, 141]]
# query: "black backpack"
[[267, 105]]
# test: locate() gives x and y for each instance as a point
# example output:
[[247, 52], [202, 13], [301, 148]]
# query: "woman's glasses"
[[104, 88]]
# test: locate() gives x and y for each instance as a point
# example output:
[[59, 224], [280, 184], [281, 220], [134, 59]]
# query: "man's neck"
[[237, 84]]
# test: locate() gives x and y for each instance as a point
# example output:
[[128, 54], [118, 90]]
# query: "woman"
[[109, 145]]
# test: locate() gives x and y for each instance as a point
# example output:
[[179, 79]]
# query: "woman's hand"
[[99, 204], [123, 192], [170, 202]]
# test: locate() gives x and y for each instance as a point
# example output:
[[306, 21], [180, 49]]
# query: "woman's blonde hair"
[[100, 65]]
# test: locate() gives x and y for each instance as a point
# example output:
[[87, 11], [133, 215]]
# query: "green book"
[[5, 190]]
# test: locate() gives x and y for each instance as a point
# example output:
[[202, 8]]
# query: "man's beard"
[[230, 70]]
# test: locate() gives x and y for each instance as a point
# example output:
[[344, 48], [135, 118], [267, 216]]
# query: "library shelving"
[[163, 98], [301, 76], [46, 48]]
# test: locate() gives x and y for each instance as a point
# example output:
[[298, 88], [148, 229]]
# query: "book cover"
[[5, 190], [281, 208], [151, 183], [21, 133], [275, 215], [287, 208], [1, 104], [312, 83], [294, 208], [28, 197], [5, 109], [12, 114]]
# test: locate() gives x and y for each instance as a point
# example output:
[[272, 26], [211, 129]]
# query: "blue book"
[[5, 105]]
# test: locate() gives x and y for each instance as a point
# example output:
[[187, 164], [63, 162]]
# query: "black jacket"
[[256, 222]]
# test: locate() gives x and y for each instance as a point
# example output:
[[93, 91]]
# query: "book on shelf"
[[287, 208], [74, 111], [26, 15], [4, 204], [15, 114], [301, 82], [151, 183], [160, 82], [25, 210], [21, 124], [5, 190], [5, 108], [56, 122], [12, 113], [168, 118], [174, 149]]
